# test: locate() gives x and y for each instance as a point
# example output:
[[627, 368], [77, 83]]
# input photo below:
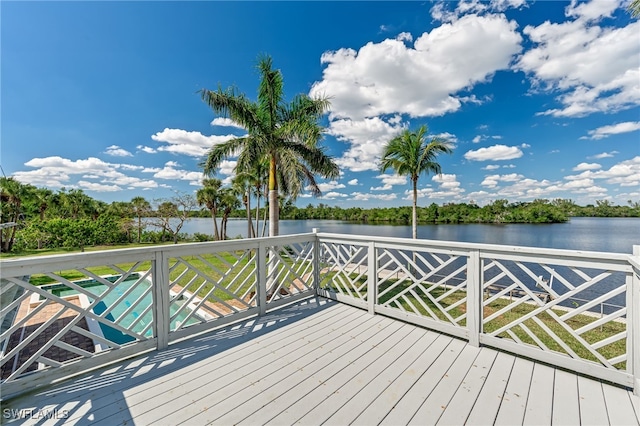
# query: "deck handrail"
[[463, 289]]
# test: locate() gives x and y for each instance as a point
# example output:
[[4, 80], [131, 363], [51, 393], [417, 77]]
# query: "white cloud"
[[448, 188], [194, 144], [604, 155], [492, 181], [146, 149], [57, 172], [390, 77], [116, 151], [353, 182], [625, 173], [491, 167], [388, 181], [586, 166], [225, 122], [367, 138], [170, 172], [98, 187], [404, 37], [494, 153], [614, 129], [594, 68], [359, 196], [329, 186], [227, 167], [333, 195]]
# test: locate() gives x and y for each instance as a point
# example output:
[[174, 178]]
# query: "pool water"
[[143, 287]]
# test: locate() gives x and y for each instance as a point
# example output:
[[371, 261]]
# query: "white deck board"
[[321, 361], [593, 408], [273, 387], [619, 408], [486, 406], [389, 397], [414, 398], [566, 403], [433, 407], [459, 407], [540, 401]]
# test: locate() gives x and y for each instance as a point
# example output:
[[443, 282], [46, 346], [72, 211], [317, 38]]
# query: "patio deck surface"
[[320, 361]]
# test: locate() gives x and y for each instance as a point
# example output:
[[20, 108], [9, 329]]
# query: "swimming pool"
[[135, 319]]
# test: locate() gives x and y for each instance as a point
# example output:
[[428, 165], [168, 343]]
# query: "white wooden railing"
[[138, 300], [572, 309], [575, 310]]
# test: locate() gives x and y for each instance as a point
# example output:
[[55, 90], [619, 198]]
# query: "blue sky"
[[540, 99]]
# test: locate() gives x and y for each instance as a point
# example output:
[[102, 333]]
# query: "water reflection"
[[616, 235]]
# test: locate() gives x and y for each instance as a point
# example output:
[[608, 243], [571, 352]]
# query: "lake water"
[[616, 235]]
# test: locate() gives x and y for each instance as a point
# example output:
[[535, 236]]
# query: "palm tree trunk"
[[250, 233], [414, 215], [274, 206], [257, 213], [139, 229], [216, 234]]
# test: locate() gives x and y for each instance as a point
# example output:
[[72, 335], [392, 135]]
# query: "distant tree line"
[[69, 218], [498, 211]]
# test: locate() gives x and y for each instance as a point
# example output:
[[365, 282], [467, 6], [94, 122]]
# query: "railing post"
[[474, 298], [372, 278], [316, 261], [261, 295], [633, 305], [160, 294]]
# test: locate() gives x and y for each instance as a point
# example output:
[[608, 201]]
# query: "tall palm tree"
[[634, 8], [286, 134], [209, 196], [410, 154], [141, 208]]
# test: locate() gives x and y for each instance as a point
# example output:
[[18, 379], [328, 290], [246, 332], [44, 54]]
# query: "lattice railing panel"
[[343, 269], [423, 283], [574, 310], [208, 286], [289, 270], [72, 314]]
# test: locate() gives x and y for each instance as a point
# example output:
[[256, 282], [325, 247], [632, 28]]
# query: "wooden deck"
[[318, 362]]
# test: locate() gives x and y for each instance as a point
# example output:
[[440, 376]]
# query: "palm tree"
[[12, 195], [634, 8], [286, 134], [410, 154], [242, 185], [141, 208], [209, 196], [228, 203]]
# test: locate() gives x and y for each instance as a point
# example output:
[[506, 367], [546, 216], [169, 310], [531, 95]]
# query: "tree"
[[141, 208], [410, 154], [286, 134], [228, 203], [634, 8], [176, 209], [242, 185], [12, 195], [209, 196]]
